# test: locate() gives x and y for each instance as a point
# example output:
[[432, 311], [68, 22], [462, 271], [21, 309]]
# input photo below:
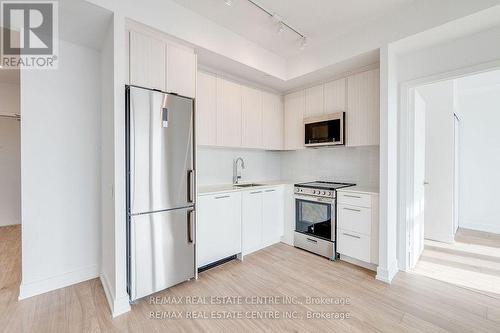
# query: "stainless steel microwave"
[[327, 130]]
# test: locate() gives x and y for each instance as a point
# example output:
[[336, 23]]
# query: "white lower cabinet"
[[238, 222], [354, 245], [251, 219], [218, 233], [272, 216], [357, 226], [262, 218]]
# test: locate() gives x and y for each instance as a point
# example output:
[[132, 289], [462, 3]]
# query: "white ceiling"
[[83, 23], [319, 20]]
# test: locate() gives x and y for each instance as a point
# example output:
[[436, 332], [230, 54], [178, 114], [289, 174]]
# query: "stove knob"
[[329, 194], [314, 191], [324, 193]]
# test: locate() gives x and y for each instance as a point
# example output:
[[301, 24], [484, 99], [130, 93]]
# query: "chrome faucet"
[[236, 174]]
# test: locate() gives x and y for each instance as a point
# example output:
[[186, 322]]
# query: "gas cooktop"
[[330, 186]]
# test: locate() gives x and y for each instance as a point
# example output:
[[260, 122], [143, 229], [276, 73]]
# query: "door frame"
[[406, 138]]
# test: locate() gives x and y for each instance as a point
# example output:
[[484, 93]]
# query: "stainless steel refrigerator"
[[161, 190]]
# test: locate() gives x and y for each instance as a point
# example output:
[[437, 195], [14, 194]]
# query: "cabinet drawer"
[[354, 199], [354, 245], [312, 244], [353, 218]]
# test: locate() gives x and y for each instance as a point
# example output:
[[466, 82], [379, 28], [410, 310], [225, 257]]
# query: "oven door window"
[[313, 218]]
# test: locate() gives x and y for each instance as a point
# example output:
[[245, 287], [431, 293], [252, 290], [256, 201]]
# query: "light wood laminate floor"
[[473, 261], [413, 303]]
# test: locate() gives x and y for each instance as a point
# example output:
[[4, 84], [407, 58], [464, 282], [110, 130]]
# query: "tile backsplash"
[[343, 164]]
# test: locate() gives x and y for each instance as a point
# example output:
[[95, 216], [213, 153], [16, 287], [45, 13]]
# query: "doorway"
[[10, 148], [455, 155]]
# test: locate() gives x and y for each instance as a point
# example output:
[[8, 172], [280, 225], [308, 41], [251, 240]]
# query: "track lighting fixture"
[[281, 24]]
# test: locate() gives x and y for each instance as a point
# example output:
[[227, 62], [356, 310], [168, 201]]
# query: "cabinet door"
[[251, 109], [272, 115], [181, 70], [146, 61], [218, 227], [335, 96], [206, 109], [229, 113], [294, 120], [272, 216], [315, 101], [363, 109], [251, 220]]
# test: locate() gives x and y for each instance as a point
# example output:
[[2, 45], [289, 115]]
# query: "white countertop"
[[360, 189], [224, 188]]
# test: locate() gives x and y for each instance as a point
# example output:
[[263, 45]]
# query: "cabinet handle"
[[352, 209], [222, 197], [270, 190], [352, 196], [353, 236], [311, 240], [256, 192]]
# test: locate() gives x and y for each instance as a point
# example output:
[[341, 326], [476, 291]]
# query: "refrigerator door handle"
[[190, 185], [190, 237]]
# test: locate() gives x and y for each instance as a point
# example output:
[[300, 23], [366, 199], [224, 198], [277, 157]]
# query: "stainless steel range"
[[315, 217]]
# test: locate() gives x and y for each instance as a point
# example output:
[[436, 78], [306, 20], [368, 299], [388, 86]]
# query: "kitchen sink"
[[246, 185]]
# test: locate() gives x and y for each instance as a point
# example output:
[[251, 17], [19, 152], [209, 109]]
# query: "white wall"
[[9, 97], [10, 171], [60, 168], [343, 164], [107, 168], [439, 160], [478, 105], [388, 216], [215, 165]]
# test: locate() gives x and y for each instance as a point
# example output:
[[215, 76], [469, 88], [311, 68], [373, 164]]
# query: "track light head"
[[303, 43], [281, 28]]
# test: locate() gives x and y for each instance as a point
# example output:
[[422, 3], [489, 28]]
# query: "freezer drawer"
[[160, 151], [161, 251]]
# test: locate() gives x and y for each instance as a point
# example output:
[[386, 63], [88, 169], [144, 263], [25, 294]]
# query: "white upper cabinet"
[[251, 108], [335, 96], [206, 109], [315, 105], [157, 64], [272, 121], [181, 71], [363, 112], [228, 113], [294, 120], [146, 61]]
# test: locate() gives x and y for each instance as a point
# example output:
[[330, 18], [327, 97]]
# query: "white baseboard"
[[387, 274], [56, 282], [117, 306], [371, 267], [481, 227]]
